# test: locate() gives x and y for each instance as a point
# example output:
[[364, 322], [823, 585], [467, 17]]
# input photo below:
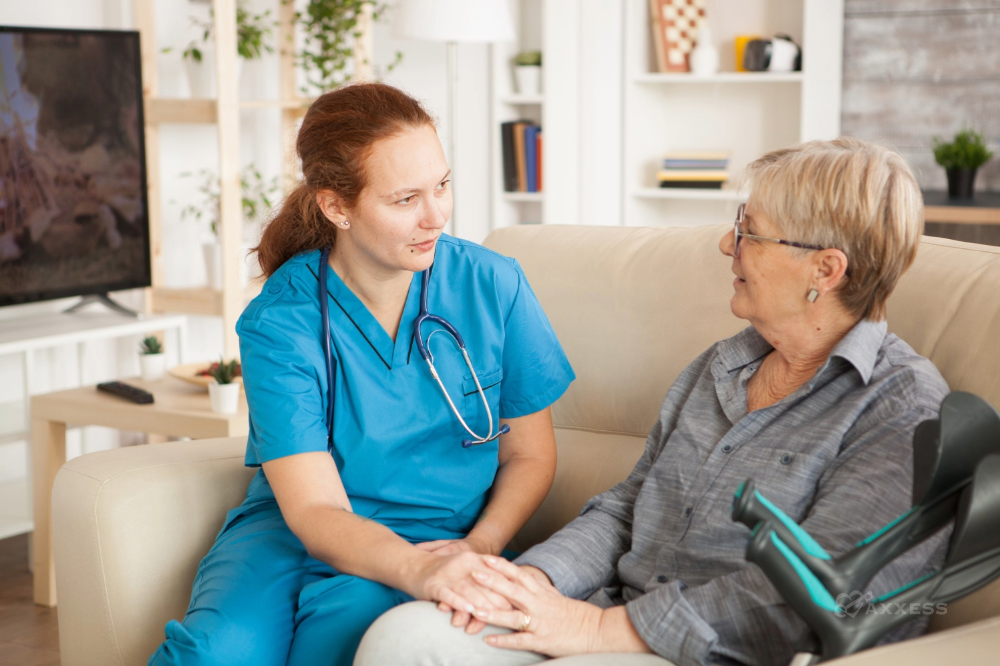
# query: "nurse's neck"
[[382, 291]]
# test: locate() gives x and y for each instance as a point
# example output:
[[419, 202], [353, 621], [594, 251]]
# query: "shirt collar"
[[860, 348]]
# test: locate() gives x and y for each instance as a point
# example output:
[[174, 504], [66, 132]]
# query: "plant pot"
[[213, 264], [201, 75], [961, 183], [225, 398], [152, 366], [529, 79]]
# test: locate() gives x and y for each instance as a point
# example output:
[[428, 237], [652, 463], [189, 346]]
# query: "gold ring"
[[525, 622]]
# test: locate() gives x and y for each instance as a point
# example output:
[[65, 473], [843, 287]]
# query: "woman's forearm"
[[359, 546], [520, 486]]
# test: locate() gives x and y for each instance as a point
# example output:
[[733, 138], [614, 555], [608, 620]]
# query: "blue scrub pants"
[[259, 598]]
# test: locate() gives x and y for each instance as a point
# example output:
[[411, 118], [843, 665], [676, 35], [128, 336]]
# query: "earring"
[[812, 295], [345, 223]]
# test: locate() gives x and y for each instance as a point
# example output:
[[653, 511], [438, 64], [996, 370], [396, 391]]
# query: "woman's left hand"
[[543, 620]]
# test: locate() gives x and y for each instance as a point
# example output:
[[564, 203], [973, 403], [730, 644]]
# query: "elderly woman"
[[814, 400]]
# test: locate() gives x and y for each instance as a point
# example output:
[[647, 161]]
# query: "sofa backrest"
[[633, 306]]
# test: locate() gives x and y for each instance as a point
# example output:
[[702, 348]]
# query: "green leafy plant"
[[331, 28], [967, 151], [528, 58], [151, 345], [223, 372], [257, 196], [251, 32]]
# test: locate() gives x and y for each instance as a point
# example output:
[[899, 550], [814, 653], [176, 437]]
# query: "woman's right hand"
[[448, 579]]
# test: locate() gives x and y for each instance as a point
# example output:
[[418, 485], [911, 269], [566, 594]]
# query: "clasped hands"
[[486, 589]]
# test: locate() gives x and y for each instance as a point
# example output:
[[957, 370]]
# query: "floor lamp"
[[454, 21]]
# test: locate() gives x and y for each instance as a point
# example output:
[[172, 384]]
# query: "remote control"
[[127, 391]]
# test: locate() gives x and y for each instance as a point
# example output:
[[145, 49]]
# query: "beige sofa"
[[632, 307]]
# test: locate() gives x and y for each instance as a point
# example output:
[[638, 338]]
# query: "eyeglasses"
[[737, 235]]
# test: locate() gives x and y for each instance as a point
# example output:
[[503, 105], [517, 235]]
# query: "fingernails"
[[479, 575], [490, 639], [482, 615], [491, 559], [469, 608]]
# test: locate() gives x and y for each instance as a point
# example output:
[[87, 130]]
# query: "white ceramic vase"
[[704, 59], [213, 263], [225, 398], [152, 366], [201, 75], [529, 79]]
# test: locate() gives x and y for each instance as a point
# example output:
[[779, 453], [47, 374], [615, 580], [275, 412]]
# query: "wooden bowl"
[[189, 373]]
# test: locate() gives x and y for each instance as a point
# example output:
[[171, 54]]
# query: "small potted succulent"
[[224, 391], [152, 361], [528, 72], [960, 159]]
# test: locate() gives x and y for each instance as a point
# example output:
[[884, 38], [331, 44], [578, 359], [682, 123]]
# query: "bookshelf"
[[744, 113]]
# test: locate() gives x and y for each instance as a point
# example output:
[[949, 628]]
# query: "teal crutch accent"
[[819, 594], [884, 529], [904, 588], [807, 542]]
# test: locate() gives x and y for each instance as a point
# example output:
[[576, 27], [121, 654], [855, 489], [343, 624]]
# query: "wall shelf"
[[688, 194], [721, 77], [524, 197], [522, 100]]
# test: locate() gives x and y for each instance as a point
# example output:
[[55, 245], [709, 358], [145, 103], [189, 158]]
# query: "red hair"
[[336, 137]]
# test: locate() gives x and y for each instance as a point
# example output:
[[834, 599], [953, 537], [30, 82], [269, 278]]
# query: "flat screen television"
[[73, 207]]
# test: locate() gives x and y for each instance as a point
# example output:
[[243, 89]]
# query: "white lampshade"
[[454, 21]]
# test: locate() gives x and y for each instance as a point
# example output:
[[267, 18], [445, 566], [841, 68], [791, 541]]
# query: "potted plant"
[[223, 391], [258, 196], [330, 29], [199, 57], [528, 72], [960, 159], [152, 361]]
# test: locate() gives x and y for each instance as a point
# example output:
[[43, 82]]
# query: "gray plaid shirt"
[[835, 455]]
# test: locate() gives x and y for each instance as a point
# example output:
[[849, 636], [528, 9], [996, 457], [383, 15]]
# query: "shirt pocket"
[[472, 404], [786, 477]]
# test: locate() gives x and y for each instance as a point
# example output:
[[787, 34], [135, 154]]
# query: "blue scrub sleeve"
[[284, 390], [535, 368]]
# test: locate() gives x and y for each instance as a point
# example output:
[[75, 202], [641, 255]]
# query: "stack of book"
[[522, 156], [694, 169]]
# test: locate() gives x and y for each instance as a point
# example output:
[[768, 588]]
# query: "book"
[[695, 164], [540, 170], [519, 157], [507, 153], [697, 155], [693, 184], [531, 157], [692, 174]]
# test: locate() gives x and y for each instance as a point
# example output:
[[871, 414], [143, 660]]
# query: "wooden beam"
[[200, 300], [961, 215], [165, 110]]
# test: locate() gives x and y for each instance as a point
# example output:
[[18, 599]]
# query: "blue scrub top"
[[396, 442]]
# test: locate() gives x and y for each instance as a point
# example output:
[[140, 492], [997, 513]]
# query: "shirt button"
[[786, 459], [687, 511], [661, 579], [727, 448], [274, 288]]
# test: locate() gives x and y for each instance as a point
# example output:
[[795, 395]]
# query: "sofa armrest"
[[976, 643], [129, 528]]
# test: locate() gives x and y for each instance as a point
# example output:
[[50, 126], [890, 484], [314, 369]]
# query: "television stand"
[[104, 300]]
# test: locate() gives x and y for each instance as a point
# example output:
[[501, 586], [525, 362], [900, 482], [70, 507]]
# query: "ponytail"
[[299, 226]]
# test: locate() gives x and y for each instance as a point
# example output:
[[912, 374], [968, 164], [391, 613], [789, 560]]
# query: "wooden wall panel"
[[914, 69]]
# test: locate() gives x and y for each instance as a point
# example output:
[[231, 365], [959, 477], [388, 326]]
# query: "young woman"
[[391, 456]]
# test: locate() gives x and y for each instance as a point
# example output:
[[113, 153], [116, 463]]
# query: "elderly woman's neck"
[[802, 345]]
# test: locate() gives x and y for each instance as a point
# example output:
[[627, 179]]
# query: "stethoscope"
[[424, 315]]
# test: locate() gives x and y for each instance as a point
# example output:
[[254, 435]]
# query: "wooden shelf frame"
[[224, 112]]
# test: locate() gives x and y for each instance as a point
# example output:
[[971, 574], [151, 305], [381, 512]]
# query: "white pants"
[[418, 634]]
